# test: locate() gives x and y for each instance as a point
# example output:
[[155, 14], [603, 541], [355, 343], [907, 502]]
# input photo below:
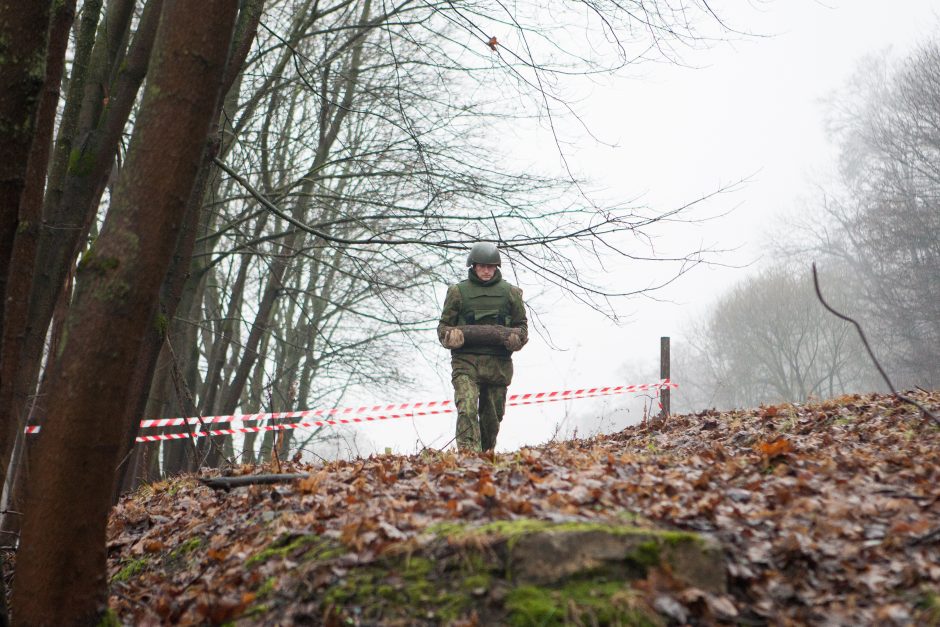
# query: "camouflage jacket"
[[453, 304]]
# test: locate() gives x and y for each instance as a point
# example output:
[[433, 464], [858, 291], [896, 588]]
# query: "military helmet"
[[483, 252]]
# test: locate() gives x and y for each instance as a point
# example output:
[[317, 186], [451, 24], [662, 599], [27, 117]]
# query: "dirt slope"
[[824, 513]]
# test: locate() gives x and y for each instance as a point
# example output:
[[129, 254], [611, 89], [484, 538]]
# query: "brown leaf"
[[776, 448], [153, 546], [311, 484]]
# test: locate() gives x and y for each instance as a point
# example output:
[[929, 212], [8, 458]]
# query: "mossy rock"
[[543, 552], [526, 572], [547, 557]]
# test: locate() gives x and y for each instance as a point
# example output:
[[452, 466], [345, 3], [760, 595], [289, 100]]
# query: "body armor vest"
[[484, 304]]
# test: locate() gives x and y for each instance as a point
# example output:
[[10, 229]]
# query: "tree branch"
[[871, 354]]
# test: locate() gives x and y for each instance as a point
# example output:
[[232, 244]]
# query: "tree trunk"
[[174, 285], [61, 574], [88, 139], [59, 242], [253, 399], [24, 30], [177, 454]]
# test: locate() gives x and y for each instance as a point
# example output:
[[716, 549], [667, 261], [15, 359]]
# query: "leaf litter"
[[828, 512]]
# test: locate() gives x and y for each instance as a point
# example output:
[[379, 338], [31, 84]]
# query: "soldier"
[[481, 359]]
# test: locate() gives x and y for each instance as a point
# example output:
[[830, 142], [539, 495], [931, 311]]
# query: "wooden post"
[[664, 374]]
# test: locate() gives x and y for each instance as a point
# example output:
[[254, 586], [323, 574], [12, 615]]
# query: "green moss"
[[178, 557], [319, 549], [260, 608], [187, 547], [162, 324], [581, 602], [417, 566], [928, 606], [404, 587], [131, 569], [81, 163], [452, 579], [266, 588], [113, 291], [92, 262], [256, 610], [647, 554], [472, 583], [627, 516], [109, 619], [512, 529], [447, 529]]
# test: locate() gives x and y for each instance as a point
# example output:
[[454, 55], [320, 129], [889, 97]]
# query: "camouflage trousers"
[[480, 383]]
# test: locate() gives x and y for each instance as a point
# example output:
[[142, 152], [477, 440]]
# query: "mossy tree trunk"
[[15, 298], [172, 290], [24, 31], [61, 574], [23, 46], [103, 88]]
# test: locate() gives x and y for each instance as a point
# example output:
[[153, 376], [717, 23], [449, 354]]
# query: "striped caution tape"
[[352, 415]]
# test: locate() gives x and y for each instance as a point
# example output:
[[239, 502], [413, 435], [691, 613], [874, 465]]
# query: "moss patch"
[[476, 573], [131, 568], [403, 588], [81, 163], [187, 547], [109, 619], [512, 530], [180, 556], [579, 602], [303, 548], [928, 608]]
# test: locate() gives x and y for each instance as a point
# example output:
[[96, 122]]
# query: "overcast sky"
[[753, 108]]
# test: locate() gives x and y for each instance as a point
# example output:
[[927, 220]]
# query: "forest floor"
[[822, 513]]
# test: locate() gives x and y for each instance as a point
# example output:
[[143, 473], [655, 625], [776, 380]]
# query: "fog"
[[747, 116]]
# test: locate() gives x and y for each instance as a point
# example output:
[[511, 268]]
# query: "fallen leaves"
[[775, 449], [829, 512]]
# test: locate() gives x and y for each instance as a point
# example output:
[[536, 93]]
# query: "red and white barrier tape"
[[350, 415], [513, 399]]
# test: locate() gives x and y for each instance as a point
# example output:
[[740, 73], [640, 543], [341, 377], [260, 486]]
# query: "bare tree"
[[884, 215], [409, 178], [768, 340]]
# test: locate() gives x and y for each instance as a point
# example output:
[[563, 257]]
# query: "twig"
[[278, 442], [448, 443], [227, 483], [871, 354], [928, 537]]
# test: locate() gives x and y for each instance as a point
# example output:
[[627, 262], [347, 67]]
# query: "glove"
[[513, 341], [453, 338]]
